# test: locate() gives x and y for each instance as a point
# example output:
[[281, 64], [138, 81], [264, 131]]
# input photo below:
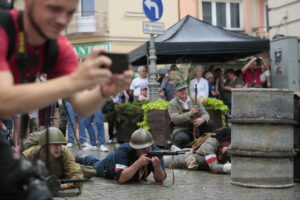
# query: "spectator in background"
[[16, 132], [109, 110], [213, 93], [168, 84], [86, 123], [160, 78], [99, 122], [232, 81], [265, 77], [71, 124], [252, 72], [33, 121], [143, 95], [200, 82], [238, 73], [138, 82], [161, 94]]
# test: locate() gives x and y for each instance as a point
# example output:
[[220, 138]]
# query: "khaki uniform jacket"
[[182, 120], [62, 167]]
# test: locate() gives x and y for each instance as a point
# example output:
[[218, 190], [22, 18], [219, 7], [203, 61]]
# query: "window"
[[223, 14], [235, 15], [87, 7], [206, 10]]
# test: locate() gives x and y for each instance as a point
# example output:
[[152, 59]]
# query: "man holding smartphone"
[[85, 85], [252, 72]]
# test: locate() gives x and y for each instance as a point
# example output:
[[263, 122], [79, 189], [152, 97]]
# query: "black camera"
[[34, 175], [21, 179], [258, 61]]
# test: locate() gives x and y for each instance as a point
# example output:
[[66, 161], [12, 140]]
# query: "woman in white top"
[[202, 84]]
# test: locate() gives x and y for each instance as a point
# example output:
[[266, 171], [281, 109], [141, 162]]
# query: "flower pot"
[[216, 117], [159, 122]]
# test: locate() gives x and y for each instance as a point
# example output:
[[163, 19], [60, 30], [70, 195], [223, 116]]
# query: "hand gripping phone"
[[120, 62]]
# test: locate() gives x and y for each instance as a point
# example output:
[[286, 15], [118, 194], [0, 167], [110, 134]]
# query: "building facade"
[[115, 25], [246, 16], [284, 18]]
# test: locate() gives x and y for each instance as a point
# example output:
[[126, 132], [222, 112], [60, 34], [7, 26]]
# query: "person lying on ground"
[[129, 161]]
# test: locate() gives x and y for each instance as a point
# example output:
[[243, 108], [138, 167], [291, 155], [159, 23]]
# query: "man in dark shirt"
[[232, 82], [129, 161]]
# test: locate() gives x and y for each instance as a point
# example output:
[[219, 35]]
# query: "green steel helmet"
[[55, 136], [140, 139]]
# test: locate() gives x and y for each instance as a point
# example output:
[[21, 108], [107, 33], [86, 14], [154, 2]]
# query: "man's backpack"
[[8, 25]]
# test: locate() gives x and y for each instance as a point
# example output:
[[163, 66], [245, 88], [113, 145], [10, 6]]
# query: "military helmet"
[[140, 139], [55, 136]]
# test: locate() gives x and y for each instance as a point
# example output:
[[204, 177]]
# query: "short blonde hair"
[[196, 69]]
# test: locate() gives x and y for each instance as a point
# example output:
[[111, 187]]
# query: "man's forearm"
[[23, 98], [87, 102], [245, 67], [159, 174], [129, 172]]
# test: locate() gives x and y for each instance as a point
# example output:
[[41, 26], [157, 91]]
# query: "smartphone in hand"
[[120, 62]]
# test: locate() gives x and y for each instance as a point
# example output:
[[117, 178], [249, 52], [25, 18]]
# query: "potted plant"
[[216, 109], [157, 120], [126, 118]]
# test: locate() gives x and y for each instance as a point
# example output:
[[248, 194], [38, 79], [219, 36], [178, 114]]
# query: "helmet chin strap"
[[35, 25]]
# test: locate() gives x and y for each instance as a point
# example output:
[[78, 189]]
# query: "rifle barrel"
[[164, 153]]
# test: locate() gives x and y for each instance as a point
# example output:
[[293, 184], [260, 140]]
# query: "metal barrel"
[[262, 138]]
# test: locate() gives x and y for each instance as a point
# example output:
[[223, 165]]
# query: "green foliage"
[[128, 114], [157, 105], [140, 103], [215, 104]]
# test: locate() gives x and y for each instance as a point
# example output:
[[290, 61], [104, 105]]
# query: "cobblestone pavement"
[[200, 185]]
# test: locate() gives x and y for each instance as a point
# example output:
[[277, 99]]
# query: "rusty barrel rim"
[[262, 121], [271, 154], [250, 185]]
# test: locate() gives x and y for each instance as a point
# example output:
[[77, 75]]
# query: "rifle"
[[162, 153], [53, 182], [195, 128]]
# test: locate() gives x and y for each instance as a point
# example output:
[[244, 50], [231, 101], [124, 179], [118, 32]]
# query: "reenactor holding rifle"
[[182, 110], [130, 161], [61, 162]]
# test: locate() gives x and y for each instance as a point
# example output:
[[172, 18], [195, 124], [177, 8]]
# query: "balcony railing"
[[85, 22]]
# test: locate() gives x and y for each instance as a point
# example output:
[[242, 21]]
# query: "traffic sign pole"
[[153, 84], [153, 9]]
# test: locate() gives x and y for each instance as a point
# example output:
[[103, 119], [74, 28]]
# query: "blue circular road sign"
[[153, 9]]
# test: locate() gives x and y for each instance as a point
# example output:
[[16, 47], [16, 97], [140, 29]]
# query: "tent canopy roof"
[[192, 40]]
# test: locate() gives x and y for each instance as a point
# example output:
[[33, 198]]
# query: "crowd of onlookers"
[[203, 83], [206, 82]]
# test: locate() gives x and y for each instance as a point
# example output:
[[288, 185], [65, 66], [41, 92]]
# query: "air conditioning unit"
[[284, 56]]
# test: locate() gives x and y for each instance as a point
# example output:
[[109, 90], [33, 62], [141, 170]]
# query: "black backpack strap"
[[51, 48], [51, 54], [7, 23]]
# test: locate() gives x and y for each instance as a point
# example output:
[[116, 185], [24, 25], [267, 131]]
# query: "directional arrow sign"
[[153, 9]]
